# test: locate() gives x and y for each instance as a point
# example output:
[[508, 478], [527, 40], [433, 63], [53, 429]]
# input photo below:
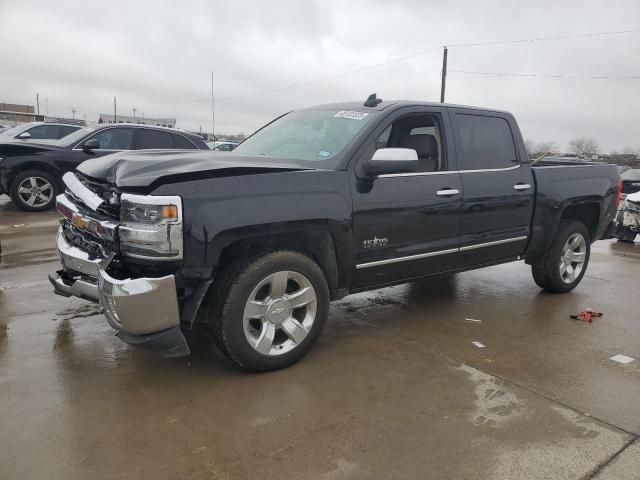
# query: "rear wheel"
[[33, 191], [563, 266], [269, 309]]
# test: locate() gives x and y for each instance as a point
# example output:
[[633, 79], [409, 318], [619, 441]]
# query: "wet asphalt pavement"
[[394, 388]]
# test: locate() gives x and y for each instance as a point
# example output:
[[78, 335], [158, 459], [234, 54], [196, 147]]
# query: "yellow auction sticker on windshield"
[[353, 115]]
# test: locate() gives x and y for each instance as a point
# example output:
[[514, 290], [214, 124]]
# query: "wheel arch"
[[587, 213], [35, 165], [318, 244]]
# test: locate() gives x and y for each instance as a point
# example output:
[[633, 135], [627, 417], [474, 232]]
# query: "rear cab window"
[[486, 142]]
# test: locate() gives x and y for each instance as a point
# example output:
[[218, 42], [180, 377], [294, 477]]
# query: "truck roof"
[[395, 104]]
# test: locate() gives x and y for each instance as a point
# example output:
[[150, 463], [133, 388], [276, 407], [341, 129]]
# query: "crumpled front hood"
[[146, 167]]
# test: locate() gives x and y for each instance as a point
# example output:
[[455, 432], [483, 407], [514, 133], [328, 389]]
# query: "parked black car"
[[31, 173], [39, 131], [251, 245]]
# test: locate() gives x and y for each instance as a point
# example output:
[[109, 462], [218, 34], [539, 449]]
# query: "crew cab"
[[31, 172], [253, 244]]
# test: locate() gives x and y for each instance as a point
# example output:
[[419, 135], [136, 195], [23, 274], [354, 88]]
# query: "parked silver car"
[[39, 131]]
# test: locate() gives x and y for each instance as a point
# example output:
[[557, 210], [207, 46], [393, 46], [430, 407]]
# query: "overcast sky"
[[82, 53]]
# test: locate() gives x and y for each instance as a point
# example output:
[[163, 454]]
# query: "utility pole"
[[46, 106], [444, 75], [115, 112], [213, 115], [73, 112], [38, 103], [134, 112]]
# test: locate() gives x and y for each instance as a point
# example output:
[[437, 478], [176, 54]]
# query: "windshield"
[[631, 174], [74, 137], [307, 135]]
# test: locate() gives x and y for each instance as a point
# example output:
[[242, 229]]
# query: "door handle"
[[447, 192], [521, 186]]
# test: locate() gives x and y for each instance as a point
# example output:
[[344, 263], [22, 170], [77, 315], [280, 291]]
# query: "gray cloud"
[[150, 53]]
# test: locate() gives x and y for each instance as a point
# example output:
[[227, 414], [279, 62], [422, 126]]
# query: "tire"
[[266, 311], [34, 191], [552, 271]]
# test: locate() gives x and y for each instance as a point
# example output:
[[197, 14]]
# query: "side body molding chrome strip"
[[491, 244], [438, 252], [405, 259]]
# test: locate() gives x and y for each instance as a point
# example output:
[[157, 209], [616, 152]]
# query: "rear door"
[[498, 187], [405, 225]]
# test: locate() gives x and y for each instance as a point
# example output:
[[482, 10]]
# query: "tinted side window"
[[114, 138], [183, 142], [486, 142], [67, 130], [154, 139], [44, 132]]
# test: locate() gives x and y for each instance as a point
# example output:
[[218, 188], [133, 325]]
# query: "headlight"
[[151, 226]]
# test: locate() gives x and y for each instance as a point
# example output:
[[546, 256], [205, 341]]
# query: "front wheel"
[[565, 263], [268, 310], [33, 191]]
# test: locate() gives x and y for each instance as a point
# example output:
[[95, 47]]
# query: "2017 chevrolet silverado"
[[320, 203]]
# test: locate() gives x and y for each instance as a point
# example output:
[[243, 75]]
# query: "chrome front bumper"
[[143, 311]]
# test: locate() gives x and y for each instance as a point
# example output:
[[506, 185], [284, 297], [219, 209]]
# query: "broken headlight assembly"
[[151, 227]]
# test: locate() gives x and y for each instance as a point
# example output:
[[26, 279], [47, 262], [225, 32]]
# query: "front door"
[[498, 188], [406, 225]]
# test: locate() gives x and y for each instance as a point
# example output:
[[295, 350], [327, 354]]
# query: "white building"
[[160, 122]]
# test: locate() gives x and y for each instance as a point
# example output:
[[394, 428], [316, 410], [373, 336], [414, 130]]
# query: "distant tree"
[[584, 146], [547, 148], [535, 150], [631, 151], [529, 146]]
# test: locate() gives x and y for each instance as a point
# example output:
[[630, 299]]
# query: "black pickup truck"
[[253, 244]]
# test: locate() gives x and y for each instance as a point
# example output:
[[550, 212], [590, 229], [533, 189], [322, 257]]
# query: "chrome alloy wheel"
[[35, 191], [574, 254], [279, 313]]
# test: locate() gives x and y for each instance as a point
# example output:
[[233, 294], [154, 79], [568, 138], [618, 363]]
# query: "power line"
[[311, 82], [406, 57], [547, 75], [544, 39]]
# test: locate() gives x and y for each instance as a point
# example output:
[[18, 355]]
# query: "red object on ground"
[[586, 315]]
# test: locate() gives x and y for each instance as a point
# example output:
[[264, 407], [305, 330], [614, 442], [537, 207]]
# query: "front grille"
[[85, 241]]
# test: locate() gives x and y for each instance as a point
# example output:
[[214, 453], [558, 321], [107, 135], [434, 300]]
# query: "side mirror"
[[24, 135], [392, 160], [91, 144]]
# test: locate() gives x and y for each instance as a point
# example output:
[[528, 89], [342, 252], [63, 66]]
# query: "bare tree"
[[529, 146], [535, 150], [584, 146], [547, 148]]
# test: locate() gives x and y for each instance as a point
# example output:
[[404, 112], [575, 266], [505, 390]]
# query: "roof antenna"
[[372, 101]]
